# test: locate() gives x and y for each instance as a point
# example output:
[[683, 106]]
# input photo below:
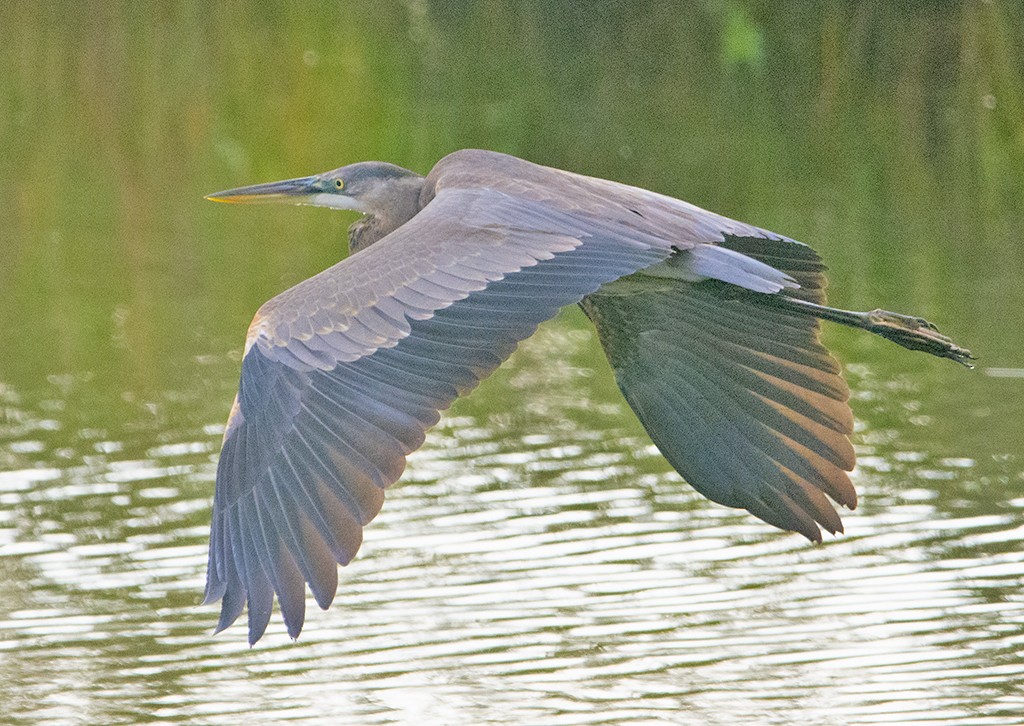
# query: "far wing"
[[742, 399], [344, 373]]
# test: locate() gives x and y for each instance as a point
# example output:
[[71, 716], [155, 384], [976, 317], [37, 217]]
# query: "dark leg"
[[905, 330]]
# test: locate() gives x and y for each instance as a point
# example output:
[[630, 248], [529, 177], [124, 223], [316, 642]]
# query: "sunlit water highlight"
[[539, 563], [540, 566]]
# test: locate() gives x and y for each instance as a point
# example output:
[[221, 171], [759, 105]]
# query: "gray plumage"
[[709, 324]]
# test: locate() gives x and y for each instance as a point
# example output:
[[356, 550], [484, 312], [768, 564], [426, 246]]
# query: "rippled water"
[[537, 565]]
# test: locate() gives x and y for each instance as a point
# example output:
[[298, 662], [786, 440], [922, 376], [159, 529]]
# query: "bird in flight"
[[710, 325]]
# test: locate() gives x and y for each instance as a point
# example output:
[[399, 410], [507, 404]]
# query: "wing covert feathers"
[[321, 429], [343, 374]]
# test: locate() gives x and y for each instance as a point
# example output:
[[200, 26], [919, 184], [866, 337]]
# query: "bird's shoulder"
[[587, 198], [506, 174]]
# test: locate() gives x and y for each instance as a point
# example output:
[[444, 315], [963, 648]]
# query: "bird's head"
[[369, 187]]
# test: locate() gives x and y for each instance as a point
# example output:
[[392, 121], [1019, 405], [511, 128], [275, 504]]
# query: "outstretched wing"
[[344, 373], [742, 399]]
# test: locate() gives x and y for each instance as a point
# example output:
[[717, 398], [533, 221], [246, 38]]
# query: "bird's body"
[[710, 326]]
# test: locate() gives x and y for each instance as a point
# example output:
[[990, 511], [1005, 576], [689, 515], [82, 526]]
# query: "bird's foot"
[[916, 334]]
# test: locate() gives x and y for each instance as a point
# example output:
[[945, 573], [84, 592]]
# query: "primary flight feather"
[[710, 325]]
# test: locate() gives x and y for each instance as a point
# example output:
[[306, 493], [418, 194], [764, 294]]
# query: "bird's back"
[[649, 213]]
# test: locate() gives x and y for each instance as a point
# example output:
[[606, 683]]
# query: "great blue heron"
[[710, 325]]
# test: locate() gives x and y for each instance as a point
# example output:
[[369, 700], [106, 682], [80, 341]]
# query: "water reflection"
[[535, 566], [539, 563]]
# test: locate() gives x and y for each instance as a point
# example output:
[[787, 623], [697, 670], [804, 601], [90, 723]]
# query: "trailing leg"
[[905, 330]]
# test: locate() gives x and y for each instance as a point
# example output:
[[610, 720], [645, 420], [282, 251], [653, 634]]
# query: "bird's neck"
[[364, 232], [402, 205]]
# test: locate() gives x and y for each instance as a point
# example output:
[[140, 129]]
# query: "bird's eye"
[[338, 184]]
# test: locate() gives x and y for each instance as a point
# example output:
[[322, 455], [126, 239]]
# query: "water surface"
[[539, 562]]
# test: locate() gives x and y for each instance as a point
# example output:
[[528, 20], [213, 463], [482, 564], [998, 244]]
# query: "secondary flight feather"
[[711, 327]]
